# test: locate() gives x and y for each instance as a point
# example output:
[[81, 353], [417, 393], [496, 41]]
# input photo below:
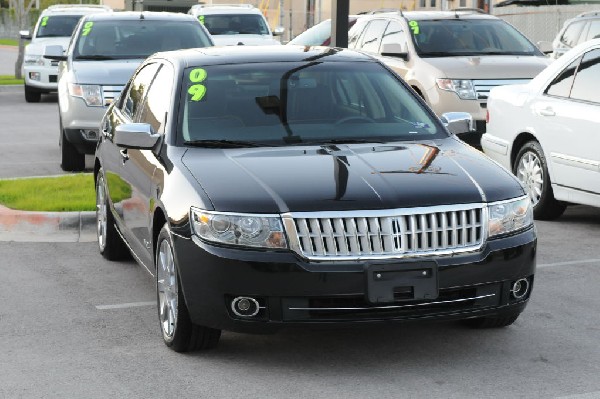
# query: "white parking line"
[[570, 263], [126, 305]]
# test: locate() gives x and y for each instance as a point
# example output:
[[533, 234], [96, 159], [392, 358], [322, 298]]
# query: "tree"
[[21, 12]]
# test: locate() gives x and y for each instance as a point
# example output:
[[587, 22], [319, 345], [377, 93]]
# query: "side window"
[[594, 31], [394, 34], [355, 33], [571, 35], [137, 90], [587, 79], [561, 85], [372, 38], [158, 100]]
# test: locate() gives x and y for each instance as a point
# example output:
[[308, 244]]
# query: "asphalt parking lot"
[[73, 325]]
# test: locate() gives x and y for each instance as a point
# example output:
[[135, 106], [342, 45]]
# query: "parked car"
[[584, 27], [54, 27], [451, 58], [103, 54], [546, 132], [319, 34], [233, 24], [270, 187]]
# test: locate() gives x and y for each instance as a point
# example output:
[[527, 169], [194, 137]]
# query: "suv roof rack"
[[382, 10], [468, 9], [197, 6], [588, 14], [70, 6]]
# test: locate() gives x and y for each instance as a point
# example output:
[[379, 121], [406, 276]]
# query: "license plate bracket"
[[407, 281]]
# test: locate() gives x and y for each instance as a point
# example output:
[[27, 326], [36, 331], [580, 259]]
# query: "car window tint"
[[571, 34], [356, 32], [315, 36], [235, 24], [157, 102], [57, 25], [373, 35], [587, 80], [594, 31], [561, 85], [137, 90], [394, 34]]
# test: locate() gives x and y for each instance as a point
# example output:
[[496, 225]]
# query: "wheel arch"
[[520, 140], [158, 221]]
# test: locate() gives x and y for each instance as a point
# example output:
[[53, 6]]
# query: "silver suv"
[[451, 58], [104, 52], [54, 27], [584, 27]]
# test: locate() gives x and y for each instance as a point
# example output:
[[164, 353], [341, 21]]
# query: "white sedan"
[[547, 132]]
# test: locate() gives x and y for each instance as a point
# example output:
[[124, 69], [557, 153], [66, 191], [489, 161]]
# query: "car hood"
[[348, 177], [490, 67], [115, 72], [249, 40], [37, 46]]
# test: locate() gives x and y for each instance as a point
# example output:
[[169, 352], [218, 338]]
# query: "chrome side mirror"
[[278, 31], [458, 122], [55, 52], [138, 136], [545, 46], [25, 34], [399, 50]]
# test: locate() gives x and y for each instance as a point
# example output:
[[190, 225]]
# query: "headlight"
[[91, 94], [507, 216], [464, 88], [33, 60], [249, 230]]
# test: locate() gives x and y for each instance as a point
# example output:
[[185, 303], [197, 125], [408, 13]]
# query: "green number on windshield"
[[201, 19], [87, 28], [197, 75], [197, 91], [44, 21], [414, 25]]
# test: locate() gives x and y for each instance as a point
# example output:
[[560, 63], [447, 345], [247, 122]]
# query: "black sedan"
[[266, 188]]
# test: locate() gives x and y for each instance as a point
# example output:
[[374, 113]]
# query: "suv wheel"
[[531, 169], [178, 331], [71, 159], [32, 95]]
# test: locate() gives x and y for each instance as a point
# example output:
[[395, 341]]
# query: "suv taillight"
[[487, 116]]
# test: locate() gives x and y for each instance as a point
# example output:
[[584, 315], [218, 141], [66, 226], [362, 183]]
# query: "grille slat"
[[483, 86], [404, 234], [110, 93]]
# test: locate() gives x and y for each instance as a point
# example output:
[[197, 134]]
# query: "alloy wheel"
[[101, 213], [167, 289], [531, 173]]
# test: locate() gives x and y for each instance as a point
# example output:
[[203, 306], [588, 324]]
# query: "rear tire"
[[531, 169], [491, 322], [71, 159], [178, 331], [31, 95], [110, 243]]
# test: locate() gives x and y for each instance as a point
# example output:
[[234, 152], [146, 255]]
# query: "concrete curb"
[[24, 226]]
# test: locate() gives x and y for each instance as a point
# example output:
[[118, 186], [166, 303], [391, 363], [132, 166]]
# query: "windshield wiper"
[[223, 143], [95, 57], [343, 141]]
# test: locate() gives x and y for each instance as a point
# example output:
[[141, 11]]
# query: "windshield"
[[234, 24], [453, 37], [294, 103], [315, 36], [57, 25], [116, 39]]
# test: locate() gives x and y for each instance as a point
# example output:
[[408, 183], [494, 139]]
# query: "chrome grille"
[[111, 93], [386, 234], [483, 87]]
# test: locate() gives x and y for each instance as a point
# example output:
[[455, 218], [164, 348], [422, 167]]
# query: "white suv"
[[54, 27], [235, 24]]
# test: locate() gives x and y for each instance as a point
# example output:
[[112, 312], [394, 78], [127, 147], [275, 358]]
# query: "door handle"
[[548, 111], [124, 155]]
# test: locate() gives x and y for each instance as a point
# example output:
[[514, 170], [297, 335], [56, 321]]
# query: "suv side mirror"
[[138, 136], [54, 53], [458, 122], [25, 34], [278, 31], [399, 50], [545, 47]]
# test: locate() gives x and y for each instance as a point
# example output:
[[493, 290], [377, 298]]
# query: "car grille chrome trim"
[[111, 93], [398, 306], [383, 234], [483, 86]]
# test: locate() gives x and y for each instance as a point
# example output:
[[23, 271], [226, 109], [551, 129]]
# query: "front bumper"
[[291, 291], [79, 121], [47, 77]]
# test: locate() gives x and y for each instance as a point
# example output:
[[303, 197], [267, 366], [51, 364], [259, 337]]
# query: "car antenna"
[[141, 15]]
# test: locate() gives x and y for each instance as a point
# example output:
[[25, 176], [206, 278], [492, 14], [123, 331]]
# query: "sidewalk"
[[26, 226]]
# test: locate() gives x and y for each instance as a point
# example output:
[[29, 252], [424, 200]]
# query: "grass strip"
[[9, 42], [10, 80], [50, 194]]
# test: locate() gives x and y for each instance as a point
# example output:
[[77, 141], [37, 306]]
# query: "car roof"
[[260, 54], [431, 15], [201, 9], [75, 9], [133, 15]]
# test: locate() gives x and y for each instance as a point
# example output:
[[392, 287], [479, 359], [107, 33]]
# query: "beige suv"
[[451, 58]]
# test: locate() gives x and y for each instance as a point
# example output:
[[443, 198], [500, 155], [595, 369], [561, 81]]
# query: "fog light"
[[89, 134], [34, 76], [245, 306], [520, 288]]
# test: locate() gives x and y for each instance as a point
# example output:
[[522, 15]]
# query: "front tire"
[[71, 159], [178, 331], [531, 169], [110, 243], [32, 95]]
